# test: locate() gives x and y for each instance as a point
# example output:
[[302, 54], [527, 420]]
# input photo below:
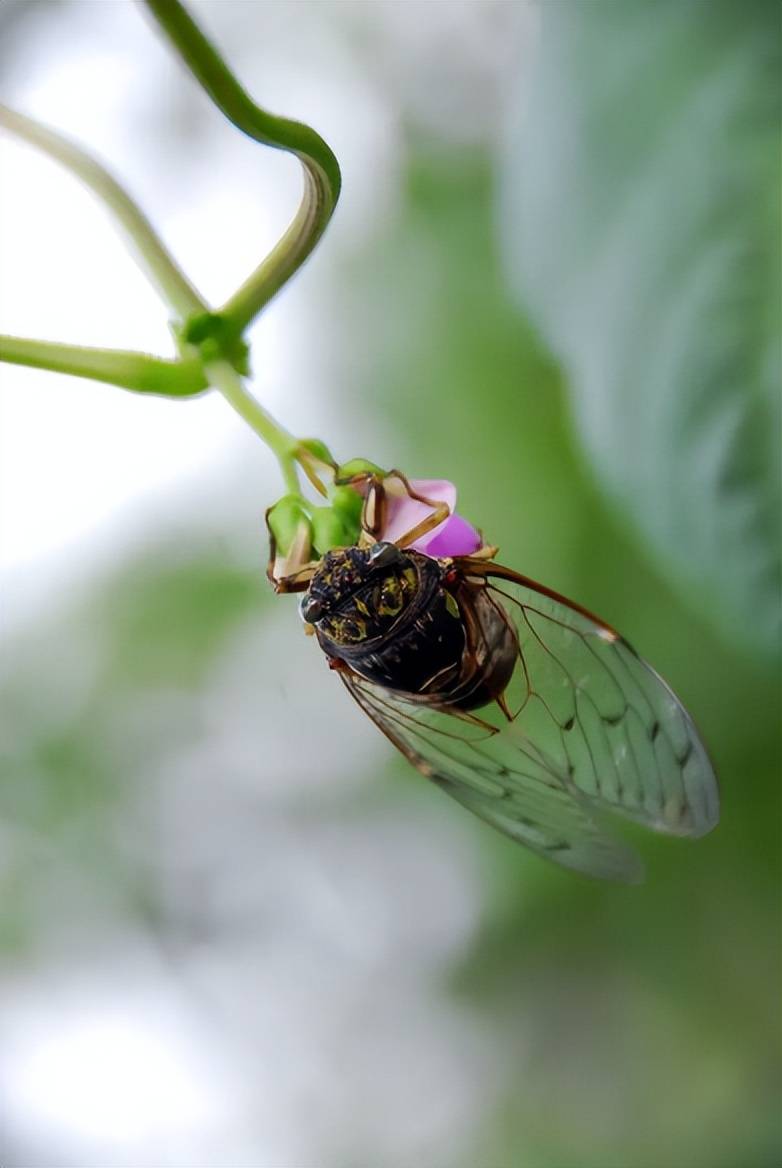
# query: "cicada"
[[529, 710]]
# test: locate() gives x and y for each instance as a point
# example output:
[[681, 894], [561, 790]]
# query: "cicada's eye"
[[382, 555], [311, 609]]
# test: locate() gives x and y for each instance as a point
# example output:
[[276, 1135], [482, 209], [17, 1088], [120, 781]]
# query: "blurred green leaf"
[[606, 998], [641, 228], [165, 622]]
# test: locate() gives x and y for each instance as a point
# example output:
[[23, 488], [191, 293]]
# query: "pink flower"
[[453, 537]]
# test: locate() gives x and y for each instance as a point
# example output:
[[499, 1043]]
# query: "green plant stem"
[[197, 369], [225, 378], [139, 372], [321, 170], [153, 255]]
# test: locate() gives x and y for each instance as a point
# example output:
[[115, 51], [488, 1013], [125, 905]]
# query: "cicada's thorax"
[[401, 620]]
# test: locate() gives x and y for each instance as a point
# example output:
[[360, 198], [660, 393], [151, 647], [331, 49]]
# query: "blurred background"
[[235, 928]]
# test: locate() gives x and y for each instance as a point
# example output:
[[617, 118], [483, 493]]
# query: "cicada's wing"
[[588, 726], [608, 723], [500, 780]]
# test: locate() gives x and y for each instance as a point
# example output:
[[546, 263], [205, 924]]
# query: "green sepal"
[[319, 451], [328, 530], [358, 466], [347, 502], [347, 505], [287, 521], [312, 455]]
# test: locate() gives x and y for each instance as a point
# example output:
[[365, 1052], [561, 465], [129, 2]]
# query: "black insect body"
[[402, 620], [527, 709]]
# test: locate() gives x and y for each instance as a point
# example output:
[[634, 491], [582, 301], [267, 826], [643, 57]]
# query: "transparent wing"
[[607, 721], [588, 726]]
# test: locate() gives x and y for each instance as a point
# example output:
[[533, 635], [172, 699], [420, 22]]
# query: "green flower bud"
[[288, 523], [347, 505], [328, 530]]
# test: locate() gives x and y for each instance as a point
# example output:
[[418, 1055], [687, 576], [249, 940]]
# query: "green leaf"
[[642, 230]]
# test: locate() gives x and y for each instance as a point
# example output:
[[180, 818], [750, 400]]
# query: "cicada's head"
[[358, 594]]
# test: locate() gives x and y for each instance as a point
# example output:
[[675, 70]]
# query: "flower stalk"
[[283, 445], [138, 372]]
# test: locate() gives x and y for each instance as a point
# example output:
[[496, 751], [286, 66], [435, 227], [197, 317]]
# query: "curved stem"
[[225, 378], [285, 258], [152, 253], [198, 367], [322, 178], [140, 372]]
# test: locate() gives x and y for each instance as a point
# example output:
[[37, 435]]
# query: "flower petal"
[[404, 513], [455, 537]]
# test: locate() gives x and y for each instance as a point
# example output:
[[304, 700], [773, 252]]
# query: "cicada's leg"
[[297, 581], [373, 513], [485, 553], [440, 512]]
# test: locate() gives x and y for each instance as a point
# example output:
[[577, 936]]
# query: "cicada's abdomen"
[[400, 620]]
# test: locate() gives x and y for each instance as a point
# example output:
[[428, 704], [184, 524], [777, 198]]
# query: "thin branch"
[[128, 370], [224, 378]]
